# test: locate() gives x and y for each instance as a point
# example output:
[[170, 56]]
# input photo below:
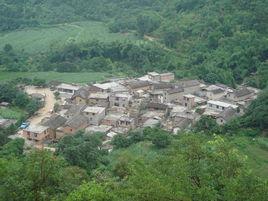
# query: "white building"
[[94, 114], [219, 105]]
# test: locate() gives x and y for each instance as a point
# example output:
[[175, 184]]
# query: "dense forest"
[[154, 166], [216, 40]]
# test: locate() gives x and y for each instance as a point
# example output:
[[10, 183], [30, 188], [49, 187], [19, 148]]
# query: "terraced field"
[[42, 39], [83, 77]]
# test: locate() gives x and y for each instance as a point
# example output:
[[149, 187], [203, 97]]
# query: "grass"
[[11, 113], [42, 39], [83, 77], [257, 152]]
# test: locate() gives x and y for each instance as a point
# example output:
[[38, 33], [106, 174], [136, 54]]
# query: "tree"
[[82, 150], [161, 139], [12, 148], [121, 141], [91, 191], [8, 48], [208, 125], [257, 113], [147, 23]]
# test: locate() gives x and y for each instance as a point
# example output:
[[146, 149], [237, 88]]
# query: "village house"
[[167, 96], [99, 99], [81, 96], [157, 106], [167, 77], [127, 122], [214, 92], [98, 129], [154, 76], [4, 104], [53, 123], [158, 115], [190, 86], [120, 100], [151, 123], [178, 118], [241, 94], [189, 101], [74, 110], [108, 87], [94, 114], [226, 115], [164, 77], [137, 85], [37, 133], [67, 89], [111, 120], [73, 125], [220, 106]]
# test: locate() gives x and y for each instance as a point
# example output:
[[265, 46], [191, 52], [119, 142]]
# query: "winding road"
[[48, 106]]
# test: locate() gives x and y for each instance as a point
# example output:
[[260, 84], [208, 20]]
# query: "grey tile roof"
[[77, 121], [55, 121], [242, 92]]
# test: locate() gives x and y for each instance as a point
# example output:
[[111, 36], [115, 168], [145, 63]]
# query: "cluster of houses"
[[120, 105]]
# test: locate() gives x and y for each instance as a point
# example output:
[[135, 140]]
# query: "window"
[[185, 104], [35, 135], [217, 106]]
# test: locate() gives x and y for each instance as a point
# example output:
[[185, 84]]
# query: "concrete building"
[[167, 77], [164, 77], [189, 101], [167, 96], [67, 88], [220, 106], [99, 99], [37, 133], [94, 114], [127, 122], [120, 100]]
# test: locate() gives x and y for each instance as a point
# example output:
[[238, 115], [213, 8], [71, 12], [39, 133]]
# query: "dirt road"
[[48, 106]]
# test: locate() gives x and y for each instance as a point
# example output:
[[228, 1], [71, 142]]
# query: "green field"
[[83, 77], [11, 113], [257, 152], [42, 39]]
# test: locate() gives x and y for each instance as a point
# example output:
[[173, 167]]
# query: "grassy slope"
[[257, 152], [11, 113], [41, 39], [83, 77]]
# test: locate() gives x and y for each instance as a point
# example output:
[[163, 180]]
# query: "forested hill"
[[216, 40]]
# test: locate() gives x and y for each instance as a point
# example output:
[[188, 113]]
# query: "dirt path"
[[49, 103]]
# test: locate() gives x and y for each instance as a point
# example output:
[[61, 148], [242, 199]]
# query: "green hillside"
[[216, 40], [35, 40]]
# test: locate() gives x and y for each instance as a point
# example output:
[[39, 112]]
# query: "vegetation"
[[215, 40], [192, 167], [82, 77]]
